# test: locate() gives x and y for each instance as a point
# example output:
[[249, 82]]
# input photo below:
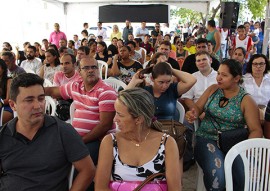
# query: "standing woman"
[[5, 82], [257, 81], [116, 33], [103, 53], [51, 66], [137, 150], [227, 107], [124, 67]]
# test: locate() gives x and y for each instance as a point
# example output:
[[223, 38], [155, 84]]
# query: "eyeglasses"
[[258, 65], [93, 67], [157, 26], [223, 101], [201, 46]]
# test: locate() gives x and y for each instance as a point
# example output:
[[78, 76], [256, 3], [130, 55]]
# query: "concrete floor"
[[190, 179]]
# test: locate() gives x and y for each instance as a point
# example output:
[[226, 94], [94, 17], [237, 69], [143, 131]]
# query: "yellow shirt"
[[191, 50], [117, 35], [173, 47]]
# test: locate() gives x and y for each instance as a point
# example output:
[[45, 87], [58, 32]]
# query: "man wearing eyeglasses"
[[190, 62], [155, 33], [94, 104]]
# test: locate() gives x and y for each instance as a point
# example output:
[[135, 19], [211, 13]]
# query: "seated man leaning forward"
[[94, 104], [37, 150]]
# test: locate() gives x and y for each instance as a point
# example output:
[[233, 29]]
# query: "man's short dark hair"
[[241, 27], [85, 31], [211, 23], [32, 47], [24, 80], [166, 43], [199, 53], [73, 58], [62, 49], [131, 42], [85, 49], [45, 40], [114, 38], [9, 54], [84, 24], [201, 40]]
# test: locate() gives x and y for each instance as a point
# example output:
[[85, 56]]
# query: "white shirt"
[[224, 36], [142, 31], [203, 82], [101, 32], [34, 65], [261, 94]]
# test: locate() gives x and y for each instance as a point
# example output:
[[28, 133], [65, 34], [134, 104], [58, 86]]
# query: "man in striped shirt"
[[94, 104]]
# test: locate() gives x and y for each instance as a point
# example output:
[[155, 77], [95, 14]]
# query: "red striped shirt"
[[89, 104]]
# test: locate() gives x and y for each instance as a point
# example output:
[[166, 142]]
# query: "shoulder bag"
[[177, 130], [227, 139], [147, 185]]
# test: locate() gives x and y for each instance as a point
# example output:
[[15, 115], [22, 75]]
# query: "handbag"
[[177, 130], [227, 139], [146, 185]]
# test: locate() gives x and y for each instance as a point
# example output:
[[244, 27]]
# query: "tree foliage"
[[256, 7]]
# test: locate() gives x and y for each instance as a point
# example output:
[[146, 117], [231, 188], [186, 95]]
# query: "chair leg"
[[200, 184]]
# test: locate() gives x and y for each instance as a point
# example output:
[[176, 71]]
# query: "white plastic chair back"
[[50, 106], [181, 111], [70, 177], [145, 64], [102, 64], [47, 83], [27, 70], [71, 111], [115, 84], [255, 154]]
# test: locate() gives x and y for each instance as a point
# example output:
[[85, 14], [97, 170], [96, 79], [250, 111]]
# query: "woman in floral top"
[[227, 104]]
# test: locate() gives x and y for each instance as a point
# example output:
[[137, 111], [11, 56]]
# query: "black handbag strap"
[[147, 180]]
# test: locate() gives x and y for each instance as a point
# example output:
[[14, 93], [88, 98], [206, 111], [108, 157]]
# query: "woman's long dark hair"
[[105, 51], [54, 53], [4, 79]]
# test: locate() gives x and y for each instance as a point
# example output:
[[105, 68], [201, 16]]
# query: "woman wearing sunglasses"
[[257, 81], [227, 106]]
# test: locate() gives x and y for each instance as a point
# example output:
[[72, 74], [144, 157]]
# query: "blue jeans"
[[211, 160]]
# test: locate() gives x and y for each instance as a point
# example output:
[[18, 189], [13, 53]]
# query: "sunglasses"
[[223, 101]]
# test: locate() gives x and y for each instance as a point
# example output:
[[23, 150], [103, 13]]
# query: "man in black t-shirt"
[[189, 64], [37, 150]]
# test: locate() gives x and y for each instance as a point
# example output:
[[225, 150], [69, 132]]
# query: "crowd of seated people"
[[191, 66]]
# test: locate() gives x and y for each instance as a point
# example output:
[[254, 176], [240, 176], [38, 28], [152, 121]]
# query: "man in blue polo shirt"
[[37, 150]]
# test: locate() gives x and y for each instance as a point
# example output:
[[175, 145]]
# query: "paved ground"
[[190, 179]]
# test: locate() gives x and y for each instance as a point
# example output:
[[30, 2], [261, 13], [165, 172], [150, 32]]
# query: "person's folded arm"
[[105, 124], [251, 113], [174, 170], [105, 162], [86, 172]]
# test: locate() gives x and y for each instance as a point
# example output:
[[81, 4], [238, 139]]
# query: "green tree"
[[186, 15]]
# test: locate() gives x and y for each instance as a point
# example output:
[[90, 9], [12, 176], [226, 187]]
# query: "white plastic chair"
[[255, 154], [50, 105], [28, 70], [47, 83], [70, 176], [200, 183], [102, 64], [181, 111], [71, 111], [115, 84], [145, 64]]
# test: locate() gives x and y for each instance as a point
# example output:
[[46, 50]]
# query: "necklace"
[[138, 144]]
